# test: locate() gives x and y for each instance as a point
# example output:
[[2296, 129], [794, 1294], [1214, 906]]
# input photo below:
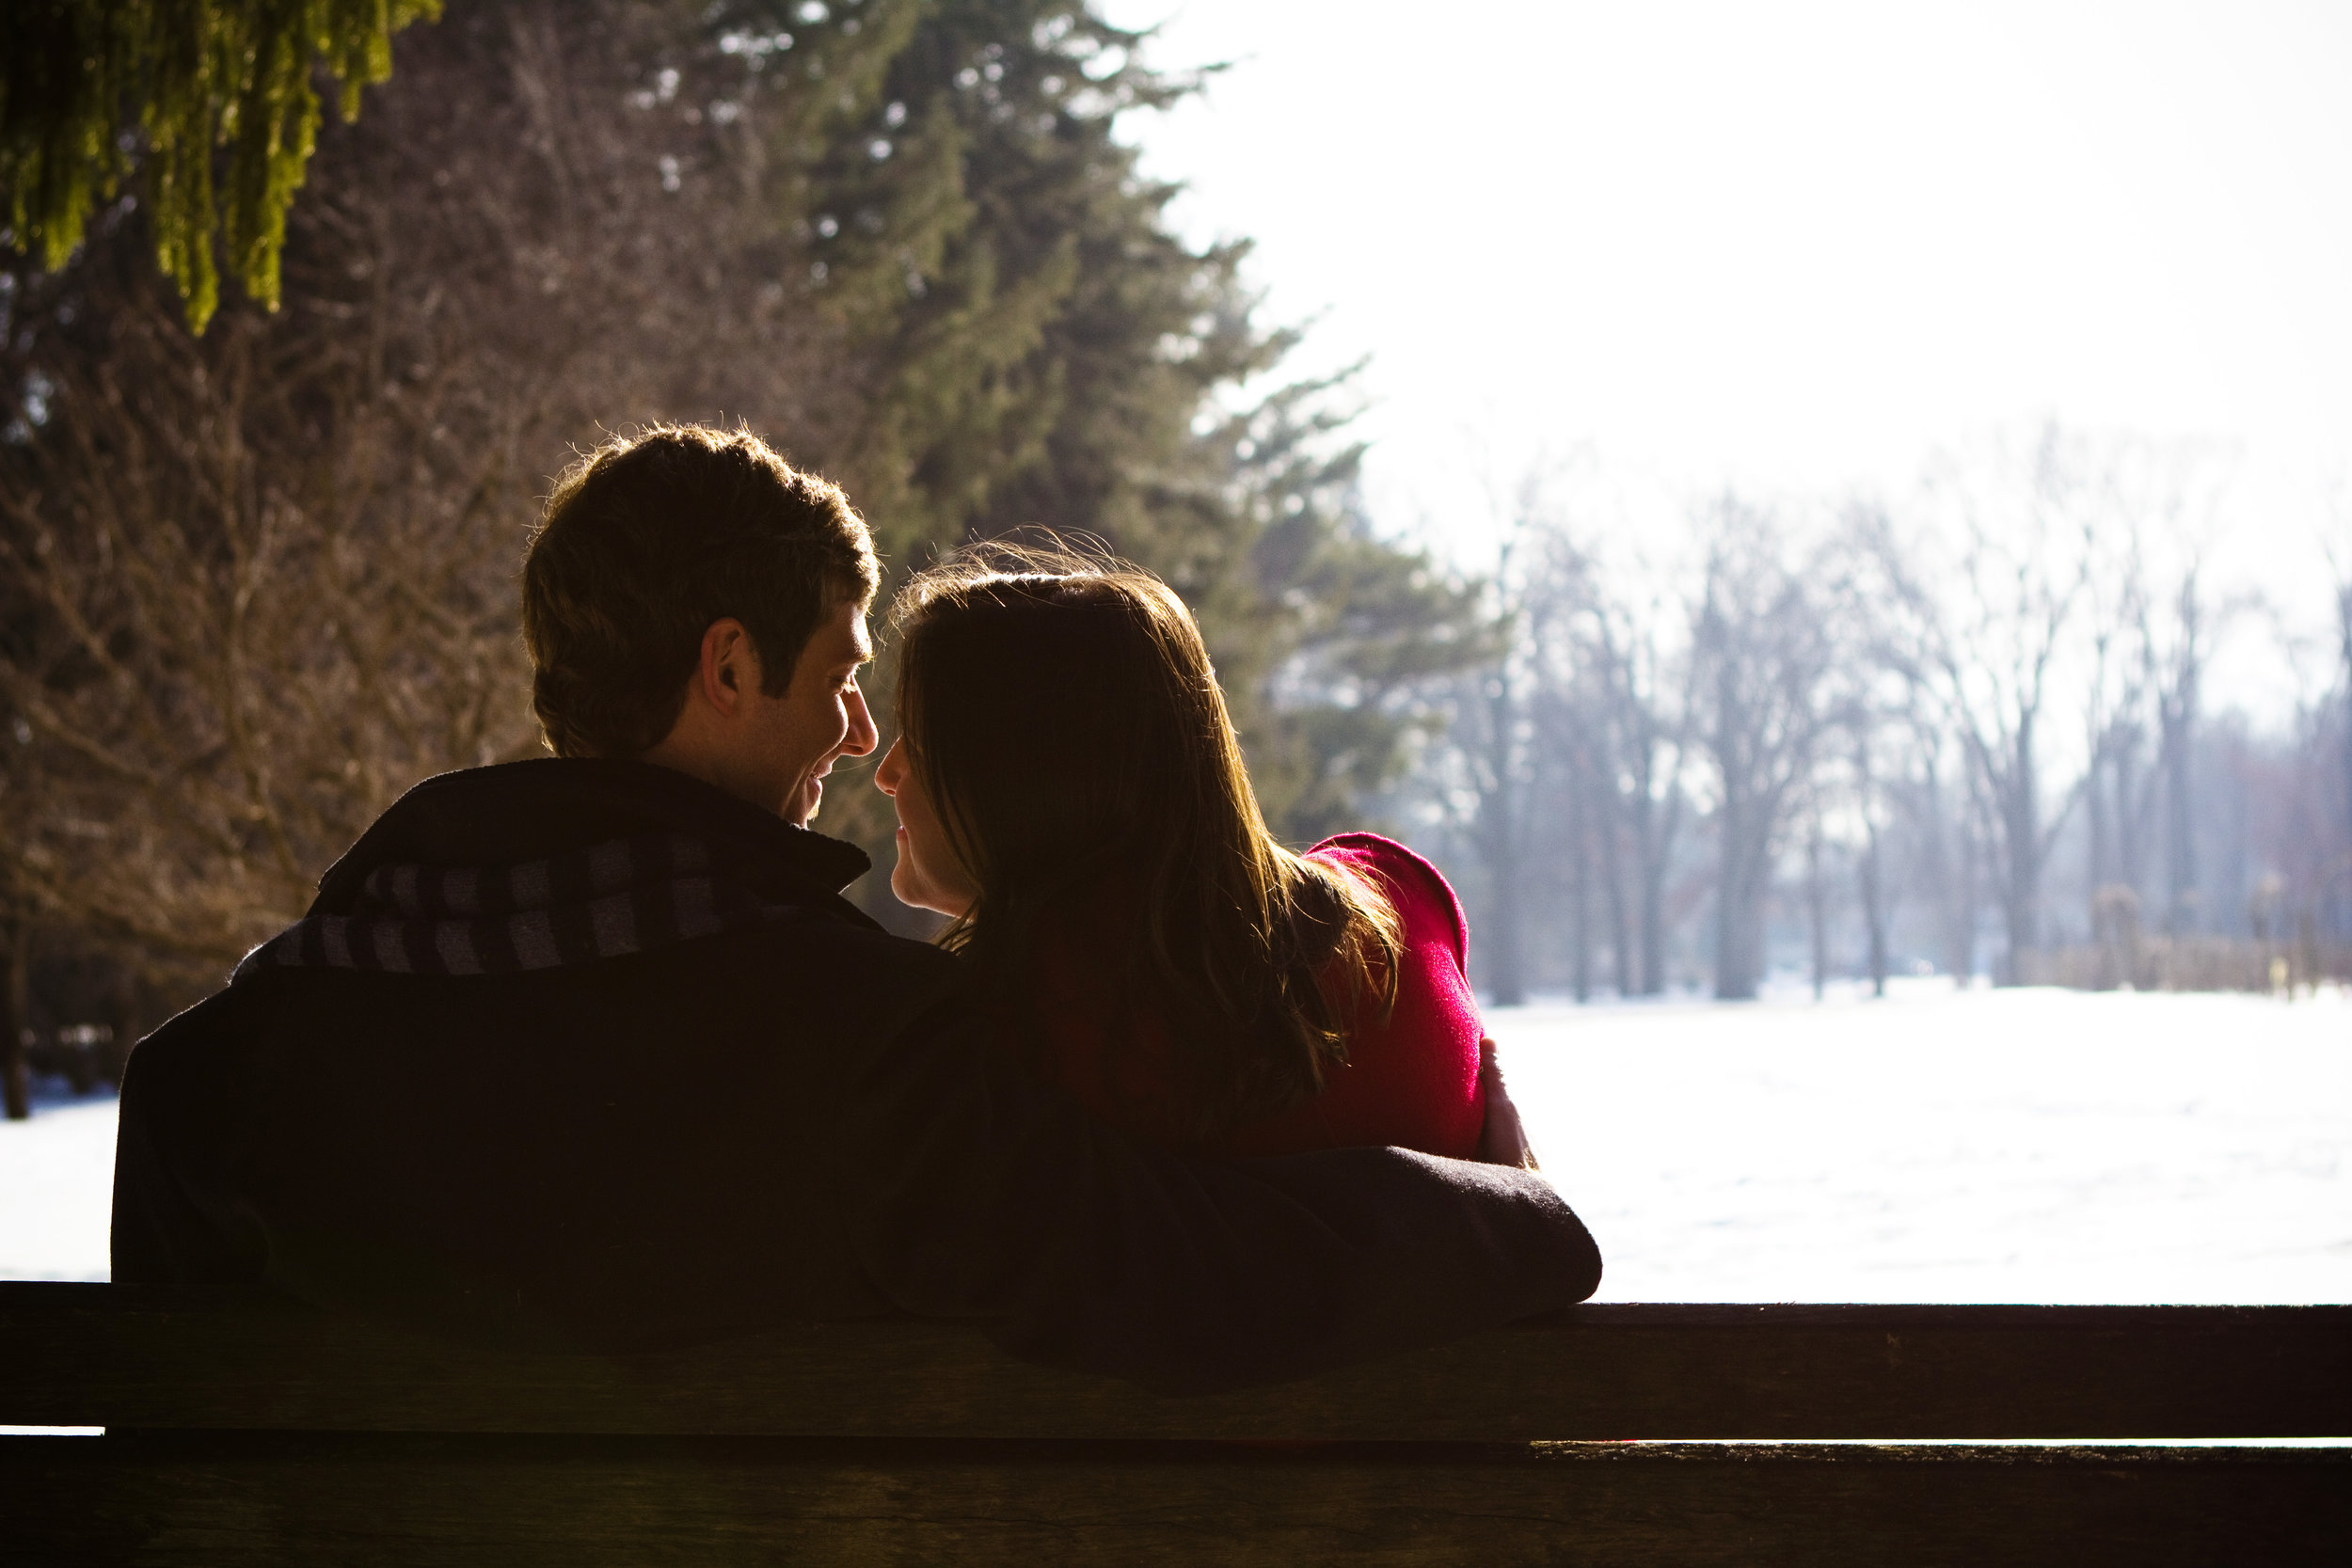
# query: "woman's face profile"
[[929, 874]]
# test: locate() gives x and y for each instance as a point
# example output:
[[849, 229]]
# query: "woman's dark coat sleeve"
[[1000, 1202]]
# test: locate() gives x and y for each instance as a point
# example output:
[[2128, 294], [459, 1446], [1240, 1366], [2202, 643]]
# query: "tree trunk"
[[2095, 808], [1580, 894], [2180, 915], [2339, 901], [1652, 843], [2017, 923], [125, 1023], [1738, 911], [2238, 863], [1654, 931], [1817, 909], [1621, 955], [2018, 799], [15, 1074], [1730, 961], [2131, 823], [1873, 909], [1603, 820], [1960, 913], [2343, 634], [1502, 842], [1506, 970]]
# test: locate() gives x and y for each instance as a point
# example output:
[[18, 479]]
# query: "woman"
[[1069, 789]]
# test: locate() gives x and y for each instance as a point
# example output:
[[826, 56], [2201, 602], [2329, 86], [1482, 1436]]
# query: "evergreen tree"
[[252, 584], [1355, 635], [89, 86], [1063, 361]]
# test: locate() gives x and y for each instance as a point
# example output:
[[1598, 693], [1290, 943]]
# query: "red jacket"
[[1411, 1082]]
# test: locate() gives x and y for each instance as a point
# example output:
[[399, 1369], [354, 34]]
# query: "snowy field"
[[2023, 1146], [56, 1176], [1987, 1145]]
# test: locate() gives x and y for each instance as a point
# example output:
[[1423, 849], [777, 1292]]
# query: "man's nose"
[[863, 736]]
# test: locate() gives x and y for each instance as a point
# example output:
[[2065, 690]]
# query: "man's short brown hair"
[[648, 540]]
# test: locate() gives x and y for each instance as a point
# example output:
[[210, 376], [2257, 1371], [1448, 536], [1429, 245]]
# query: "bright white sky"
[[1795, 247]]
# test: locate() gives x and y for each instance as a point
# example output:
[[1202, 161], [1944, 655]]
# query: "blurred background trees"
[[257, 580], [1965, 731]]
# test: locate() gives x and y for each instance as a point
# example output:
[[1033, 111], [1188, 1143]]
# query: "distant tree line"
[[257, 580], [1967, 732]]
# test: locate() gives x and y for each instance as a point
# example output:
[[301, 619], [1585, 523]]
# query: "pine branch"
[[91, 89]]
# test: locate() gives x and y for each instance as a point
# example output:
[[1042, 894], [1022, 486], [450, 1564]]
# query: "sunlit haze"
[[1794, 248]]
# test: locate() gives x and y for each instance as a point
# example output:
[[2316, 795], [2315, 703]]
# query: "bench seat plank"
[[580, 1503], [128, 1358]]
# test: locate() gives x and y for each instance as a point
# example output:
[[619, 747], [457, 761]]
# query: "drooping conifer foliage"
[[255, 583], [190, 90]]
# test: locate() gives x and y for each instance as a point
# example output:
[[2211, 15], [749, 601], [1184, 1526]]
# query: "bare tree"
[[258, 583], [1816, 852], [2167, 496], [2337, 876], [1609, 701], [228, 659], [1943, 822], [1871, 882], [1493, 749], [1883, 725], [2176, 664], [1982, 631], [2343, 636], [2112, 698], [2151, 633], [1570, 732], [1645, 707], [1857, 760], [1761, 641], [1503, 766]]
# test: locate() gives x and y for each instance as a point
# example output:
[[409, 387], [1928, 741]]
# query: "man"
[[590, 1050]]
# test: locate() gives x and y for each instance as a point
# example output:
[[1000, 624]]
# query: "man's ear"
[[729, 665]]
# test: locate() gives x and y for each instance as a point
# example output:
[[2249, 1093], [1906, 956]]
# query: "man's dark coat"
[[803, 1120]]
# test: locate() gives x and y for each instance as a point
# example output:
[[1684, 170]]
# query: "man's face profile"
[[821, 715], [773, 750], [792, 741]]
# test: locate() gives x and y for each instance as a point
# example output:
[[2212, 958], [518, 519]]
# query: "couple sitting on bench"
[[591, 1053]]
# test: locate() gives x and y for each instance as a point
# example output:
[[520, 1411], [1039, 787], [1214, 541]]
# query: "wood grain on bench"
[[98, 1355], [243, 1430], [571, 1502]]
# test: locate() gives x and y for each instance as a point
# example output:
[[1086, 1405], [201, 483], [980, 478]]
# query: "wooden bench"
[[243, 1430]]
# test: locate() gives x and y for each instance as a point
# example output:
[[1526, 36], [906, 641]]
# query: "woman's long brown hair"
[[1062, 715]]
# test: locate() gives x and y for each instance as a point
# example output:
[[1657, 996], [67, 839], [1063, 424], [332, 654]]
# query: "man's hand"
[[1502, 1140]]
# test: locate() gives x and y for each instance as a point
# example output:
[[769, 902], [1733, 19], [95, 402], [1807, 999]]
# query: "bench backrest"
[[155, 1359]]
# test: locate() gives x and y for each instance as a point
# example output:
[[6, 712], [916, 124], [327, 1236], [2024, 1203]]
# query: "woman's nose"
[[886, 772]]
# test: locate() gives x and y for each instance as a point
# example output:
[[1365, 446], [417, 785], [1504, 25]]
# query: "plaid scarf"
[[624, 895]]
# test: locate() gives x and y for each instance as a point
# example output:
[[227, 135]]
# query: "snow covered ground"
[[2027, 1146], [1986, 1146], [56, 1177]]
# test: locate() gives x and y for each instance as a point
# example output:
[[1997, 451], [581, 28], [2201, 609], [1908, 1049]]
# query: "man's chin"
[[802, 809]]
